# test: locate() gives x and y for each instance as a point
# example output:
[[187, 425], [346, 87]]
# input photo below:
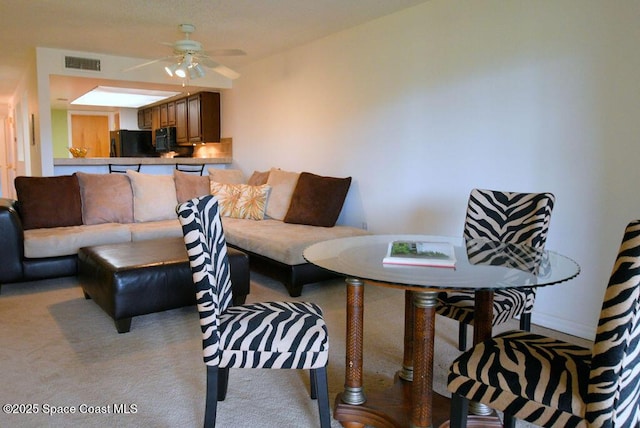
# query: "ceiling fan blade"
[[226, 72], [226, 52], [149, 63], [217, 67]]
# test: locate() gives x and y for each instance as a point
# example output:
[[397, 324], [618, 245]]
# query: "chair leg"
[[223, 382], [525, 321], [458, 412], [322, 392], [462, 336], [509, 421], [212, 397], [314, 387]]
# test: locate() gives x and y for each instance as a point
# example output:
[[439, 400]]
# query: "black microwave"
[[166, 139]]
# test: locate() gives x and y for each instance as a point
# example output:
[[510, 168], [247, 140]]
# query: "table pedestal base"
[[392, 409]]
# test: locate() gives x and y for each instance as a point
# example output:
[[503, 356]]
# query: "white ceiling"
[[138, 28]]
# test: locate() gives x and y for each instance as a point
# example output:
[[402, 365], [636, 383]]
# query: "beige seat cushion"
[[65, 241], [280, 241], [155, 229]]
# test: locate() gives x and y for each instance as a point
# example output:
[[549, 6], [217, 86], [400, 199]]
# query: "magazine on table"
[[420, 253]]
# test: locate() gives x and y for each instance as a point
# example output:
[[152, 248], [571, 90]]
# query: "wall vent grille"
[[78, 63]]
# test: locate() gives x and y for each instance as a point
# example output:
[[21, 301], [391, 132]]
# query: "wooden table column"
[[423, 342], [353, 391]]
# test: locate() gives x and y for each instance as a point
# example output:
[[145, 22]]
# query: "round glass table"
[[481, 266]]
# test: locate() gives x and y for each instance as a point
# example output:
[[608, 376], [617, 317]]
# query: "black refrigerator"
[[126, 143]]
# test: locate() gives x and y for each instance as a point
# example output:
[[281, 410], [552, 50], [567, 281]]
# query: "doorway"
[[91, 131]]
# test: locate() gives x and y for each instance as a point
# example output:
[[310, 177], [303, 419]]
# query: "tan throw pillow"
[[189, 186], [154, 196], [241, 200], [230, 176], [317, 200], [49, 201], [258, 178], [106, 198], [282, 184]]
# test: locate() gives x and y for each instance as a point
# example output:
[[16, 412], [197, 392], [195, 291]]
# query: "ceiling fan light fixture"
[[181, 70], [198, 70], [188, 54], [171, 69]]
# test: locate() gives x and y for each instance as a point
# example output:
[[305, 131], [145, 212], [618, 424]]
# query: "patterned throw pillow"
[[241, 200]]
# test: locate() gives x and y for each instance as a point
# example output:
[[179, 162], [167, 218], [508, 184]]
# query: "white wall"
[[423, 105]]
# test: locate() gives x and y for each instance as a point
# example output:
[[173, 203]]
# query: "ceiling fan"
[[189, 58]]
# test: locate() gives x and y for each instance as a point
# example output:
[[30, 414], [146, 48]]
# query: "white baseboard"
[[564, 326]]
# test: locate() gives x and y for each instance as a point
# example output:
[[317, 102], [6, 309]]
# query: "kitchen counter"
[[142, 161], [148, 165]]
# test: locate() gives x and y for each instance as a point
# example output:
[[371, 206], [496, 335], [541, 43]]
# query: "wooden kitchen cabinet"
[[164, 117], [171, 113], [196, 118], [203, 113], [155, 117], [168, 114], [181, 121], [144, 118]]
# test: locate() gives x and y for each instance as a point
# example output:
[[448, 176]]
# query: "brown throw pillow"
[[106, 198], [189, 186], [49, 201], [258, 178], [317, 200]]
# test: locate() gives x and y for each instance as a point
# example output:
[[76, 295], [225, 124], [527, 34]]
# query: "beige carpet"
[[58, 349]]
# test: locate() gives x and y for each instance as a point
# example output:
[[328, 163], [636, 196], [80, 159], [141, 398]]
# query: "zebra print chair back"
[[278, 335], [552, 383], [614, 382], [511, 218], [207, 250]]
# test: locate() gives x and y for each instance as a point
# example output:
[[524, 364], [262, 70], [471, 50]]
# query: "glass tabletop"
[[480, 264]]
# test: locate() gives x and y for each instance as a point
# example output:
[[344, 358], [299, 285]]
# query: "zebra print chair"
[[511, 218], [552, 383], [275, 335]]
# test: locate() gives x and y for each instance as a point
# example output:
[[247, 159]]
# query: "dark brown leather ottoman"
[[138, 278]]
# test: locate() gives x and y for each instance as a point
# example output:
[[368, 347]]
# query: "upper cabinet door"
[[181, 121], [171, 113], [195, 135], [164, 117], [204, 117]]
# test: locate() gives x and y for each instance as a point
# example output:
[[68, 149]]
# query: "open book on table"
[[420, 253]]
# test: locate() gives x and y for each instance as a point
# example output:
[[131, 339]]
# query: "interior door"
[[91, 132], [5, 162]]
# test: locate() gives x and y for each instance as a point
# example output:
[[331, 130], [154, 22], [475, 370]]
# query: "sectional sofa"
[[272, 217]]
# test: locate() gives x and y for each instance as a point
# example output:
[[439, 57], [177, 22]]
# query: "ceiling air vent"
[[78, 63]]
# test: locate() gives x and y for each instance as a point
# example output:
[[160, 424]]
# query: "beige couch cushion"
[[283, 242], [189, 186], [154, 196], [65, 241], [282, 185], [106, 198], [155, 229], [228, 176]]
